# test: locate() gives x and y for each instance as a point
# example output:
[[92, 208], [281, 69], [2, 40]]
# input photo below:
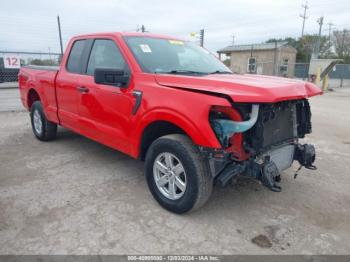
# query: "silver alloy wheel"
[[38, 123], [169, 175]]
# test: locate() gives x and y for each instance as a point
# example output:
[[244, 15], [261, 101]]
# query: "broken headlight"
[[226, 122]]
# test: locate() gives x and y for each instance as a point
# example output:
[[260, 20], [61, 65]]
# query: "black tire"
[[48, 130], [199, 182]]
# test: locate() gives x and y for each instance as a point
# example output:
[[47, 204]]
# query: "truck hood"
[[243, 88]]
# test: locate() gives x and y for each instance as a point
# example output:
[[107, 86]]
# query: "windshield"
[[156, 55]]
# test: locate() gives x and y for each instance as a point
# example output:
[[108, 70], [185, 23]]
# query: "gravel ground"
[[74, 196], [9, 100]]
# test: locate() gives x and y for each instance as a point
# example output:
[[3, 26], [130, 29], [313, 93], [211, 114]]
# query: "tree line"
[[336, 45]]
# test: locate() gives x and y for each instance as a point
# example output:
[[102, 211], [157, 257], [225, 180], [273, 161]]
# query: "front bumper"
[[265, 167]]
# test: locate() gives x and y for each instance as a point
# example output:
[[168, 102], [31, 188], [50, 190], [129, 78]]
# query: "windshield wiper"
[[220, 72], [181, 72]]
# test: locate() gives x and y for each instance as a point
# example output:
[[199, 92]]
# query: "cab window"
[[74, 64], [105, 54]]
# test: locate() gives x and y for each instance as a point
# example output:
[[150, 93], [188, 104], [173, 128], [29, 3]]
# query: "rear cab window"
[[75, 61]]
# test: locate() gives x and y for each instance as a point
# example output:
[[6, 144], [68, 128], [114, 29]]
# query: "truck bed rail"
[[39, 67]]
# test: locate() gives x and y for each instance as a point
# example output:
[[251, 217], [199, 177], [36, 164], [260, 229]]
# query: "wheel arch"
[[32, 96], [153, 131], [158, 124]]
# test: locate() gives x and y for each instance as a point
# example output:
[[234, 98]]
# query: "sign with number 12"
[[12, 61]]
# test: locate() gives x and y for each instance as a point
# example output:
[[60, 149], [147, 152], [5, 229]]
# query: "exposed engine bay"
[[268, 134]]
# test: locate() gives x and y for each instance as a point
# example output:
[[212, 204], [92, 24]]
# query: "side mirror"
[[112, 77]]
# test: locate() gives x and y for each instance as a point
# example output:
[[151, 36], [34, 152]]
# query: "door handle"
[[83, 89]]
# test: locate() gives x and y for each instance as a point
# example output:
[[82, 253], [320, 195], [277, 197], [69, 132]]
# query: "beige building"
[[264, 59]]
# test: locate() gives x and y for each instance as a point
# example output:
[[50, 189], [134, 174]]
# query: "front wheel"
[[43, 129], [177, 175]]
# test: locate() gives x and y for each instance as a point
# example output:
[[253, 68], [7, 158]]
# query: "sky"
[[32, 25]]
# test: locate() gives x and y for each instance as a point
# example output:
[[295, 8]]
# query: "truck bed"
[[43, 78]]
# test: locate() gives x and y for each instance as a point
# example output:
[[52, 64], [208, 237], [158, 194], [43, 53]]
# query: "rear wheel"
[[177, 175], [42, 128]]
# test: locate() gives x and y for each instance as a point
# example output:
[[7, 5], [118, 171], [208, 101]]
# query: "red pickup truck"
[[176, 106]]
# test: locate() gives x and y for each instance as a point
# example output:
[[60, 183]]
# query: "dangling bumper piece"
[[268, 166]]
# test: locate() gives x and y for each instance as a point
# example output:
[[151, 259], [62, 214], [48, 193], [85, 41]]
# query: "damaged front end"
[[260, 140]]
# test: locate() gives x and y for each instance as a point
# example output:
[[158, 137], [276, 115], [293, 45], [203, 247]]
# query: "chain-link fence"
[[339, 76], [10, 62], [301, 70], [339, 71]]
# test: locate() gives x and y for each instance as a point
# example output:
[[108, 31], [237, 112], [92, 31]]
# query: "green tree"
[[306, 45], [47, 62], [341, 41], [227, 62]]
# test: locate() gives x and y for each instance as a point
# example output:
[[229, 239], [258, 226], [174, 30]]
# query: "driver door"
[[104, 110]]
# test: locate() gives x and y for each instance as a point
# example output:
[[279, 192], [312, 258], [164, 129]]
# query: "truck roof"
[[128, 34]]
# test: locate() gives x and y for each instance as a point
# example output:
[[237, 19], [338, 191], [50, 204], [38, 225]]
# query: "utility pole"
[[233, 39], [201, 37], [143, 29], [343, 43], [250, 67], [342, 55], [330, 25], [60, 34], [49, 52], [304, 17], [275, 59], [318, 43]]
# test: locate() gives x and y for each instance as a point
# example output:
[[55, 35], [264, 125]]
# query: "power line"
[[304, 17]]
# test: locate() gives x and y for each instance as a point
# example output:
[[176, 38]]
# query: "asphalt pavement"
[[10, 100]]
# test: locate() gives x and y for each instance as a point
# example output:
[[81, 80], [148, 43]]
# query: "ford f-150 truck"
[[176, 106]]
